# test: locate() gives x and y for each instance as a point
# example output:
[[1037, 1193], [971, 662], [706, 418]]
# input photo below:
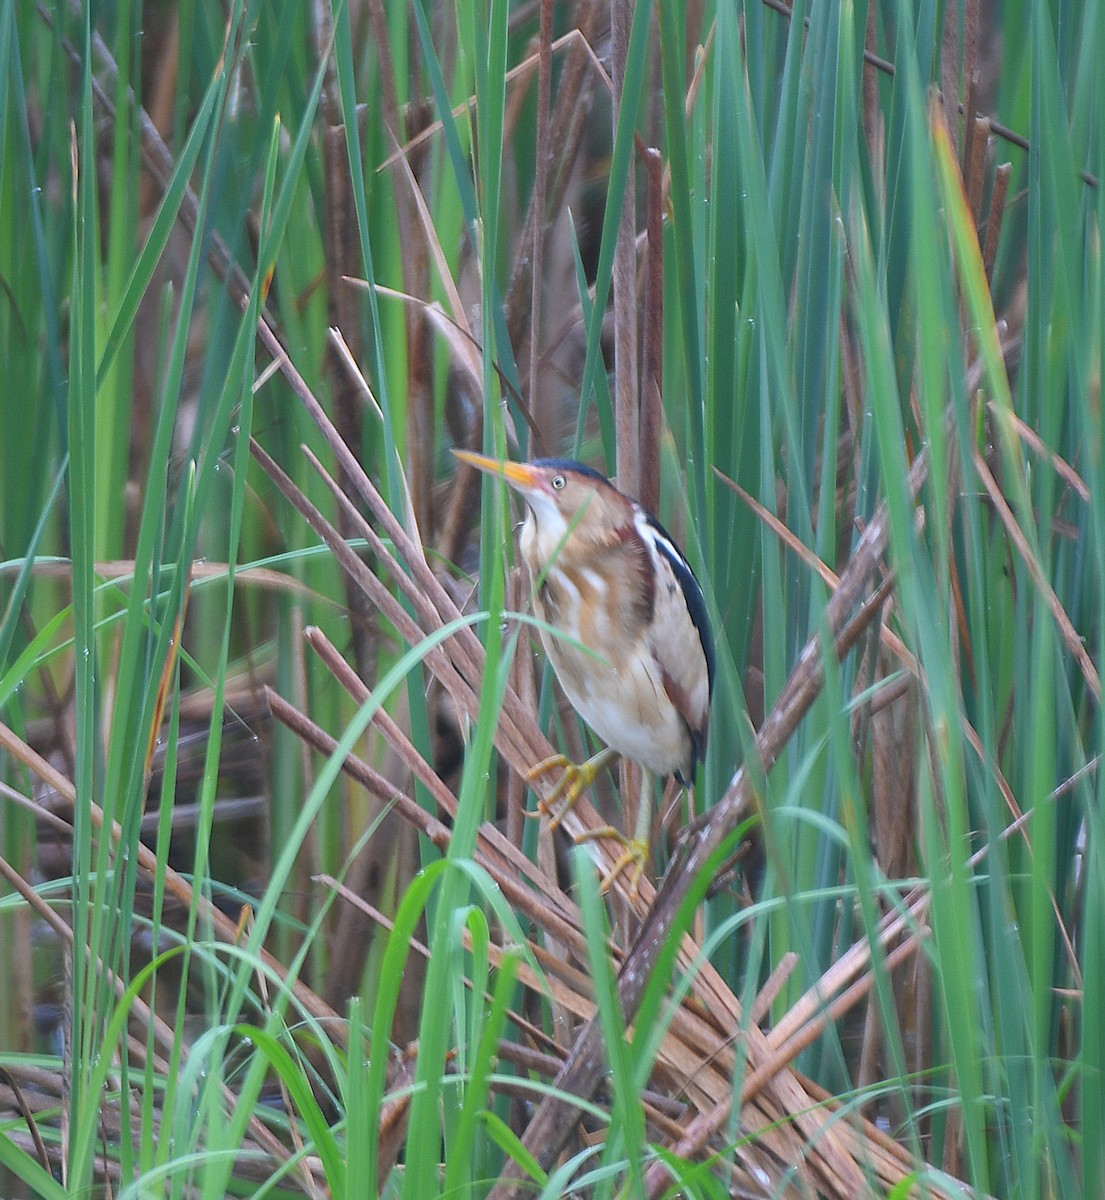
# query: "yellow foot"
[[575, 780], [631, 862]]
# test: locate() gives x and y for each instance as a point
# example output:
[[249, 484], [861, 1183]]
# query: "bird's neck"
[[545, 542]]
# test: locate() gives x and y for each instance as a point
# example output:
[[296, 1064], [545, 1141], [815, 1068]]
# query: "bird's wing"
[[680, 637]]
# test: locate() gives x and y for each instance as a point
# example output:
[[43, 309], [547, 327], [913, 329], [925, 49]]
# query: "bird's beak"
[[520, 475]]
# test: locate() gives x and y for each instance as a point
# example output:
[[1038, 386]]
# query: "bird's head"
[[563, 495]]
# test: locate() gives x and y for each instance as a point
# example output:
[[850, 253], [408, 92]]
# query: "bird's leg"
[[574, 781], [635, 850]]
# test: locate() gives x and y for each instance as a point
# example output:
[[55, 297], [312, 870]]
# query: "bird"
[[623, 621]]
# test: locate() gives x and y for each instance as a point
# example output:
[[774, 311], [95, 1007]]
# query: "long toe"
[[631, 862], [575, 779], [569, 787]]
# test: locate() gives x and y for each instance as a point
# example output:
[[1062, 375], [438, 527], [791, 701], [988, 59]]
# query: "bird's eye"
[[559, 483]]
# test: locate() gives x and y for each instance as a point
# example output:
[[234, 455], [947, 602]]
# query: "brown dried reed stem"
[[164, 1037]]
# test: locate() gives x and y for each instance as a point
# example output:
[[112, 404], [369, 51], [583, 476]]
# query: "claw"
[[575, 780], [633, 858]]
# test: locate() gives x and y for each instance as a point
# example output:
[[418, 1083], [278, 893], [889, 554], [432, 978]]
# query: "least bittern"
[[632, 646]]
